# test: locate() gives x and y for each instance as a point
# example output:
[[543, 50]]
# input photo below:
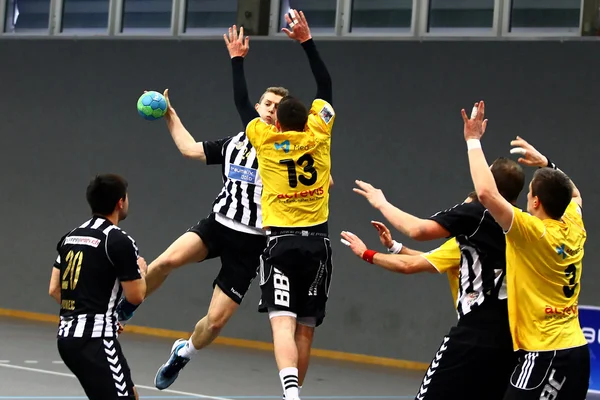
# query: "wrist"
[[549, 164], [473, 143], [395, 248], [368, 255], [302, 41]]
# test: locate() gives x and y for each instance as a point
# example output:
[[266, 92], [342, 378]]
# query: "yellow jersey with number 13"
[[543, 269], [295, 168]]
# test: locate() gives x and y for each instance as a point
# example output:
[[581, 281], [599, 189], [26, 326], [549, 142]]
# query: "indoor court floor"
[[30, 368]]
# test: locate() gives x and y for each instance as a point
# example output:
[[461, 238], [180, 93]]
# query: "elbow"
[[485, 196], [418, 233], [135, 298]]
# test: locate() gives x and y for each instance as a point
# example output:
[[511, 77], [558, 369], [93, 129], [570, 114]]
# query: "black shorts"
[[295, 272], [100, 367], [469, 364], [551, 375], [239, 252]]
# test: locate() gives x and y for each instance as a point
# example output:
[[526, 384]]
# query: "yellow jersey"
[[294, 168], [543, 271], [446, 258]]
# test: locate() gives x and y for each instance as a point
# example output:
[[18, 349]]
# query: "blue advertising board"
[[589, 319]]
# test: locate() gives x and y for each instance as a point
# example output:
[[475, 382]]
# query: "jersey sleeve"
[[123, 253], [574, 213], [213, 149], [257, 130], [321, 117], [58, 246], [525, 228], [444, 258], [461, 219]]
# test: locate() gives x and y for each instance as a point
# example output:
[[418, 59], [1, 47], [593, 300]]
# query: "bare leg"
[[219, 312], [286, 353], [188, 248], [304, 339]]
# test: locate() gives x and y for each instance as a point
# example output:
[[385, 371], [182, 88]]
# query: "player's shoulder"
[[323, 110]]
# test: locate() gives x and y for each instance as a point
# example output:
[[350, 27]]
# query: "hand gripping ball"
[[152, 105]]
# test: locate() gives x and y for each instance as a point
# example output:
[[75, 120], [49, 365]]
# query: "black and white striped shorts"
[[551, 375], [100, 367]]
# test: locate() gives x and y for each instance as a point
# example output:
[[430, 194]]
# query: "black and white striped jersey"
[[93, 259], [242, 186], [482, 244]]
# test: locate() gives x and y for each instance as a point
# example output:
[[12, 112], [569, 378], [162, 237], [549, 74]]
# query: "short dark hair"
[[278, 90], [104, 192], [509, 177], [292, 114], [554, 189]]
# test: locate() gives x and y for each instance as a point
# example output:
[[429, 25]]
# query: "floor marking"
[[4, 361], [30, 362], [45, 371], [58, 362]]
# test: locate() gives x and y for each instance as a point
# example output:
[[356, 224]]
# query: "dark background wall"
[[68, 112]]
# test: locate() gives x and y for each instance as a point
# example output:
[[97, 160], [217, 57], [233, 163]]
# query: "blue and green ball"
[[152, 106]]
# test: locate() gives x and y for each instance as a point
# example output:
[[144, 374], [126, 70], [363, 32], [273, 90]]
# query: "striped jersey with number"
[[93, 260], [242, 186], [482, 269]]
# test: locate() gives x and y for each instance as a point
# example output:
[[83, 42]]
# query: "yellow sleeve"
[[321, 117], [525, 227], [445, 257], [257, 130], [574, 213]]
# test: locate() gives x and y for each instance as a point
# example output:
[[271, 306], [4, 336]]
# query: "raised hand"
[[385, 237], [373, 195], [300, 30], [474, 127], [237, 45], [356, 245], [530, 156]]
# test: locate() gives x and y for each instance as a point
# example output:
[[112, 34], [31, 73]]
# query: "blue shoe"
[[168, 372]]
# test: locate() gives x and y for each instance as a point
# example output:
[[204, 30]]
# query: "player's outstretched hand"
[[237, 45], [356, 245], [300, 30], [373, 195], [119, 328], [530, 156], [474, 126], [385, 236]]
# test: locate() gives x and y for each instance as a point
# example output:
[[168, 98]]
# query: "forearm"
[[410, 252], [319, 70], [241, 97], [482, 177], [401, 263], [183, 139], [406, 223]]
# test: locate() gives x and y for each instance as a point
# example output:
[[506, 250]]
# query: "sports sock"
[[289, 382], [188, 350]]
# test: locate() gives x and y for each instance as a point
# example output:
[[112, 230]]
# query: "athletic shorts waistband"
[[321, 230]]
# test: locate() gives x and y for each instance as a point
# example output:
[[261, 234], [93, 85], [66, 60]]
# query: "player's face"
[[267, 108], [124, 209]]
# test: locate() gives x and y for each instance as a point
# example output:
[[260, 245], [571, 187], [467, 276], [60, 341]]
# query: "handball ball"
[[152, 105]]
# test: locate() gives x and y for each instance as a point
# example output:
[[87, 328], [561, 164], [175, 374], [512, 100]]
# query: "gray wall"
[[69, 112]]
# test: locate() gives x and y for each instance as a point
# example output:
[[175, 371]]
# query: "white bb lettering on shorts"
[[551, 389], [282, 288]]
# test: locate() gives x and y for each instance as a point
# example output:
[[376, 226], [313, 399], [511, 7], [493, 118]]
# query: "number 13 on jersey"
[[306, 162]]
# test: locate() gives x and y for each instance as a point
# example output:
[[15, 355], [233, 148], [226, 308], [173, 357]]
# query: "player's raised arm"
[[238, 46], [533, 158], [482, 176], [210, 152], [414, 227], [301, 33]]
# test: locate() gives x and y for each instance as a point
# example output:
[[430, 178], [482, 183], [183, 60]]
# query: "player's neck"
[[114, 218], [541, 214]]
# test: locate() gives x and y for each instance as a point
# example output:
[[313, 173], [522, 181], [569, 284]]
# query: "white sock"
[[289, 382], [188, 350], [299, 390]]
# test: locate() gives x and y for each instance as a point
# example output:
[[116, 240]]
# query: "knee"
[[165, 263]]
